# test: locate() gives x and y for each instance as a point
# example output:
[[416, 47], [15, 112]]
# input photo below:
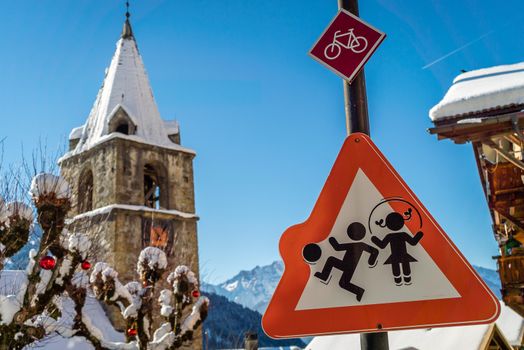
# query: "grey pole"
[[357, 120], [355, 99]]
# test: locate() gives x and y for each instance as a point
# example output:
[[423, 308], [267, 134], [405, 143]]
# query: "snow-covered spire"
[[125, 106]]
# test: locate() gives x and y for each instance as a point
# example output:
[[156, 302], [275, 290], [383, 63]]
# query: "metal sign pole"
[[355, 99], [356, 106]]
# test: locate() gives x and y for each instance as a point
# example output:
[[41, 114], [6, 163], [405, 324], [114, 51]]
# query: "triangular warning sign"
[[371, 258]]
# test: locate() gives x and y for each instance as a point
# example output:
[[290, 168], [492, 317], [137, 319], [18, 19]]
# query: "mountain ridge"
[[254, 288]]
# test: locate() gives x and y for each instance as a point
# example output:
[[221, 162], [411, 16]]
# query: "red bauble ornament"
[[132, 332], [195, 293], [47, 263], [86, 265]]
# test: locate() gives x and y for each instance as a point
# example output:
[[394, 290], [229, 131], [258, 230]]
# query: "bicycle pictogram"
[[348, 40]]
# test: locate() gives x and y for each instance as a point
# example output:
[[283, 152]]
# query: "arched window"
[[85, 191], [153, 189]]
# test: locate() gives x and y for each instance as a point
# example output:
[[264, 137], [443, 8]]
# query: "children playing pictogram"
[[400, 260], [353, 251]]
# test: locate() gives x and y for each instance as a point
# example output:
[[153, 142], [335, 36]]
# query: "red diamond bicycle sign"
[[346, 44]]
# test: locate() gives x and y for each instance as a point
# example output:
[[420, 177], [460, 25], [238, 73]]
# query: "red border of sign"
[[366, 58], [477, 304]]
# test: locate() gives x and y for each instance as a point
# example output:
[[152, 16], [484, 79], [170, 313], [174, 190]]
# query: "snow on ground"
[[510, 324], [482, 89]]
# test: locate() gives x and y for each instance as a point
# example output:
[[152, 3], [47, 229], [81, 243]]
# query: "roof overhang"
[[476, 129]]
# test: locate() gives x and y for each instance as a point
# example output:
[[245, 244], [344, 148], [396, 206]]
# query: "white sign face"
[[373, 279]]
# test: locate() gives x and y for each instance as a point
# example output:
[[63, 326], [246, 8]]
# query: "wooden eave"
[[490, 112], [479, 127]]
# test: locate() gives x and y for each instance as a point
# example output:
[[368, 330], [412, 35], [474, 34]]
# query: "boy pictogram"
[[400, 260], [348, 264]]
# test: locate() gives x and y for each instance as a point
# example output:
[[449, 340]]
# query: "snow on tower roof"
[[126, 87], [510, 324], [76, 133], [172, 127], [482, 90]]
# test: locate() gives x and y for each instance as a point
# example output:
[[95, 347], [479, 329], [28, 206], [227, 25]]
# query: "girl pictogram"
[[400, 260]]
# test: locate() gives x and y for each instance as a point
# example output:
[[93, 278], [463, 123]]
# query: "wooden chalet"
[[486, 108]]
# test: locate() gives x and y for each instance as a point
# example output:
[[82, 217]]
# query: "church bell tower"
[[132, 180]]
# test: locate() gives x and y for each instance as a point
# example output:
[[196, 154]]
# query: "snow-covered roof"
[[482, 90], [171, 126], [509, 323], [76, 133], [126, 86]]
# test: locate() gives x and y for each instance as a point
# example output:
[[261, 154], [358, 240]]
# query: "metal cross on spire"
[[127, 32]]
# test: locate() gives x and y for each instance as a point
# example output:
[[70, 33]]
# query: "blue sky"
[[266, 120]]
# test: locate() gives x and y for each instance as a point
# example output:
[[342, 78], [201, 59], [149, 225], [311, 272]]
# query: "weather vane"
[[127, 9]]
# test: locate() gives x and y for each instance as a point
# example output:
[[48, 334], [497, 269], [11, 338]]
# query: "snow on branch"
[[56, 279], [79, 243], [48, 187], [19, 210], [151, 265]]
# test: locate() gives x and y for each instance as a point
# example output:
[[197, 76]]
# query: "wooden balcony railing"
[[511, 269]]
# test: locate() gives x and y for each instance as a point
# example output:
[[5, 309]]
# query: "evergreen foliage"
[[227, 323]]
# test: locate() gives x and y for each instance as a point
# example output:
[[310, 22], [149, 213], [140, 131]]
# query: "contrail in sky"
[[457, 50]]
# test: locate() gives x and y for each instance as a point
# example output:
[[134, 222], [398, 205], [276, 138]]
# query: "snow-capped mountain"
[[492, 279], [253, 289]]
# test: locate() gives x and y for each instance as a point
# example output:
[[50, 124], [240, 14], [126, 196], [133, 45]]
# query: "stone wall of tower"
[[118, 179], [101, 160], [118, 239], [118, 166], [176, 166], [118, 169]]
